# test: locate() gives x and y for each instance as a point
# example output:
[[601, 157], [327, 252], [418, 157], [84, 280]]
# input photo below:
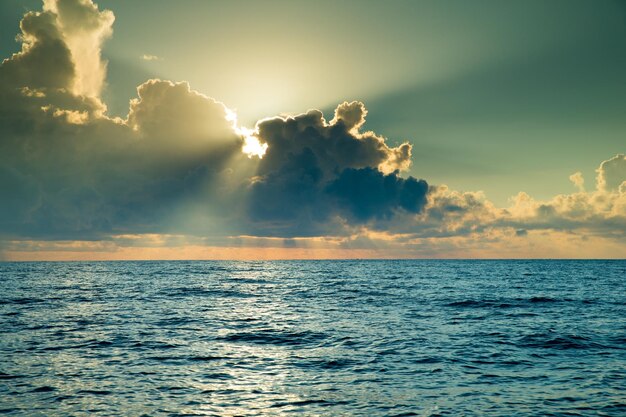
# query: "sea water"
[[313, 338]]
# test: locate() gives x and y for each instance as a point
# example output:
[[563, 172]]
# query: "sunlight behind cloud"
[[252, 146]]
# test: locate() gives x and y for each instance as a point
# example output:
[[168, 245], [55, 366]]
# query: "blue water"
[[313, 338]]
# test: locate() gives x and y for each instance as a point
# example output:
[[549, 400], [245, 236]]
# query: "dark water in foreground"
[[350, 338]]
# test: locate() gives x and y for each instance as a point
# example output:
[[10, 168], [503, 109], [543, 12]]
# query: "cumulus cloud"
[[601, 212], [84, 28], [85, 177], [336, 145], [612, 173], [172, 115], [43, 46], [316, 175], [352, 115]]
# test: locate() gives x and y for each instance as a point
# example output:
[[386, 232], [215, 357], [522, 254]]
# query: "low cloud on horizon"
[[180, 178]]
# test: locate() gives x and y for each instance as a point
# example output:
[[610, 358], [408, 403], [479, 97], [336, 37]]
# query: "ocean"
[[313, 338]]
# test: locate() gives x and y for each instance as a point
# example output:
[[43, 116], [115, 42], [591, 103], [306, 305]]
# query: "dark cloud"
[[43, 48], [336, 145], [315, 172], [68, 180], [366, 193], [291, 192]]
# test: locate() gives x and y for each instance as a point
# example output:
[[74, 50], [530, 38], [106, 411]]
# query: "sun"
[[252, 146]]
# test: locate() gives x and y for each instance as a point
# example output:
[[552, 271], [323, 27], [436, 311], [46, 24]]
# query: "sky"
[[292, 129]]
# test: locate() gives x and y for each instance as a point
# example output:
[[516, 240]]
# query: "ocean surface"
[[313, 338]]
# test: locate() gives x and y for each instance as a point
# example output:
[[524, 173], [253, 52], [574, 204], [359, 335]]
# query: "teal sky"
[[497, 96]]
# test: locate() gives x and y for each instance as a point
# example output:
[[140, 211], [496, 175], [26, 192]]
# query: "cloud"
[[59, 67], [43, 46], [336, 145], [91, 176], [172, 115], [366, 193], [601, 212], [352, 115], [612, 173], [84, 28], [578, 180], [316, 175], [148, 57]]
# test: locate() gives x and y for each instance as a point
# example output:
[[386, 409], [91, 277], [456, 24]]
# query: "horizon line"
[[5, 261]]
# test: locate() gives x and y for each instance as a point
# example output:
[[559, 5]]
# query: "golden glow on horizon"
[[199, 253], [497, 244]]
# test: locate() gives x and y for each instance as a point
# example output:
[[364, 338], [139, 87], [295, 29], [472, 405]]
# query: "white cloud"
[[148, 57], [83, 28], [612, 173]]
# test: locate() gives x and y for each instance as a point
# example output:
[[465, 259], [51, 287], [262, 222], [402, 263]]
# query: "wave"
[[552, 341], [275, 337], [513, 302]]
